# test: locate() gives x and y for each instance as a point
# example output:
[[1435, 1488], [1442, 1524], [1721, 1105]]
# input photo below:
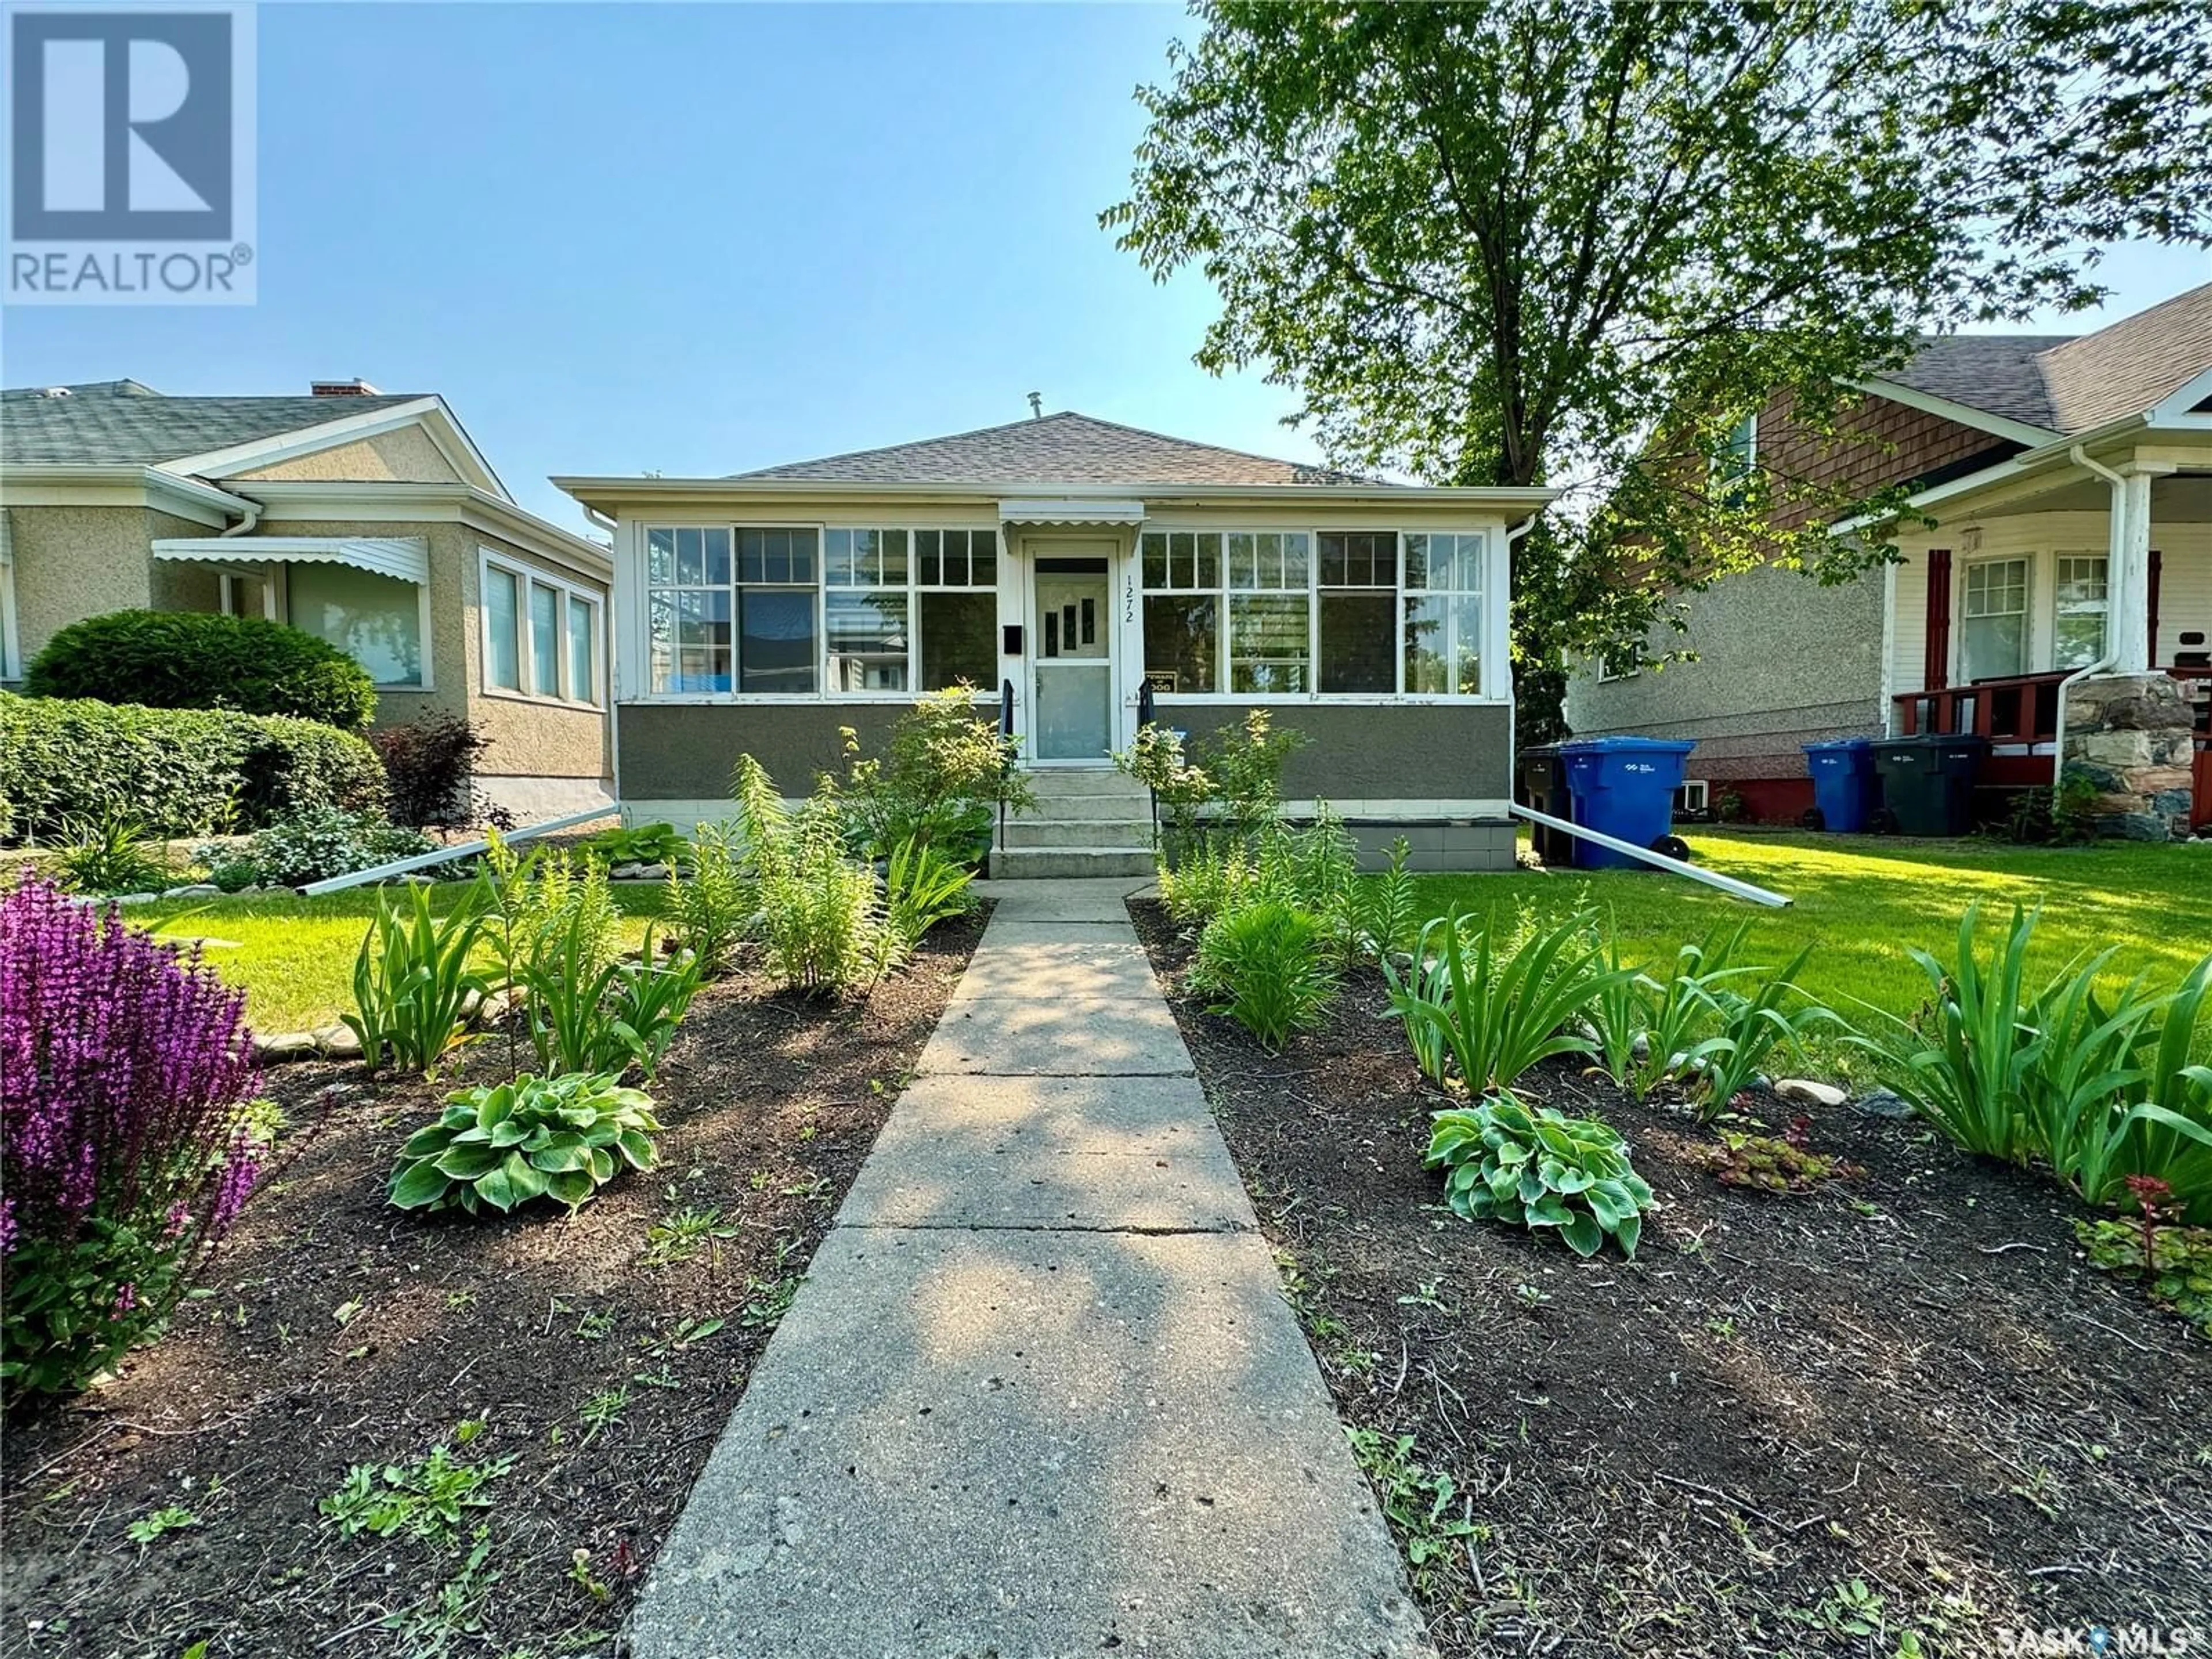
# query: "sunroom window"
[[864, 573], [1358, 610], [731, 610], [1181, 576], [1444, 614]]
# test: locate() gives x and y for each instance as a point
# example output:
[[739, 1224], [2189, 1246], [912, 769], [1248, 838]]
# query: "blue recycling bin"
[[1846, 789], [1623, 787]]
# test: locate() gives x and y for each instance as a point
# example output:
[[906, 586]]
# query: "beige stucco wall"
[[405, 455], [77, 562]]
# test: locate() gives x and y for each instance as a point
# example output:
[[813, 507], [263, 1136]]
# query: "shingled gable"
[[123, 423], [1062, 448]]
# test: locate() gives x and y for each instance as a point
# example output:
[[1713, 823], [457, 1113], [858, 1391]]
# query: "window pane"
[[544, 640], [2080, 639], [1361, 558], [892, 568], [983, 558], [1992, 647], [688, 641], [1209, 558], [660, 557], [1156, 560], [1244, 562], [691, 557], [2081, 581], [376, 620], [1297, 559], [1182, 642], [1466, 645], [1426, 646], [776, 644], [582, 645], [1267, 643], [1417, 569], [1356, 650], [867, 640], [717, 557], [837, 560], [959, 639], [503, 659], [926, 562]]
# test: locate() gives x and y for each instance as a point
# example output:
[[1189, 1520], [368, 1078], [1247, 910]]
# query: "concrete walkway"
[[1040, 1395]]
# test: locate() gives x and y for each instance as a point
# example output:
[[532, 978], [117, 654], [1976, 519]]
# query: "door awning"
[[1049, 511], [407, 557]]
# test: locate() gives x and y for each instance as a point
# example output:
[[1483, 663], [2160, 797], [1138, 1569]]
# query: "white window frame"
[[2060, 609], [429, 681], [227, 586], [1497, 677], [526, 645], [2029, 641]]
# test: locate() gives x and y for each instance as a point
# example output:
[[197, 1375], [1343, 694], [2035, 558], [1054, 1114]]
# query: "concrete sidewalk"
[[1040, 1395]]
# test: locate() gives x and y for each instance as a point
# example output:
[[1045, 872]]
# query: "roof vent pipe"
[[1036, 405]]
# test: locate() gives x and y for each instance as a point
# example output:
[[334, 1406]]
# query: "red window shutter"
[[2150, 606], [1936, 666]]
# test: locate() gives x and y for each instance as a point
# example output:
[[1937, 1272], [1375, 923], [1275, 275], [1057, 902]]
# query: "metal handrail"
[[1148, 714], [1006, 752]]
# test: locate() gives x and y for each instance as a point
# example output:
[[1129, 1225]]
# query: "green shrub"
[[178, 771], [821, 921], [711, 910], [922, 886], [561, 1138], [1271, 965], [1228, 783], [943, 774], [319, 842], [198, 659], [1208, 879], [2100, 1086], [1496, 1013], [111, 855], [591, 1012], [1539, 1169], [413, 982]]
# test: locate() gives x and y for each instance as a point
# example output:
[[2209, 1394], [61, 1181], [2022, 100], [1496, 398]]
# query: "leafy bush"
[[178, 771], [943, 773], [2099, 1087], [637, 843], [126, 1071], [821, 922], [561, 1138], [1208, 879], [1497, 1013], [1539, 1169], [711, 910], [590, 1013], [1230, 783], [198, 659], [922, 886], [413, 982], [111, 855], [1272, 965], [431, 765], [317, 842]]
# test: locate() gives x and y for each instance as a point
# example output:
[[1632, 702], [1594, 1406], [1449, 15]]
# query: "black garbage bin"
[[1544, 787], [1928, 781]]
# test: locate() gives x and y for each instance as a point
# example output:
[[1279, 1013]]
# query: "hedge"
[[198, 660], [177, 771]]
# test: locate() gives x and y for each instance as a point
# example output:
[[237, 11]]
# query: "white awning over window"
[[406, 557], [1071, 511]]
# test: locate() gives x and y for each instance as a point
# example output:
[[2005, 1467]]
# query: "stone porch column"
[[2129, 736]]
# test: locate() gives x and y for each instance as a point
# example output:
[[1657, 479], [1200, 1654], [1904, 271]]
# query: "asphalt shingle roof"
[[1062, 448], [2070, 382], [121, 422]]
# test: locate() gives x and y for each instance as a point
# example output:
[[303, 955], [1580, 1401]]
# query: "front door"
[[1072, 662]]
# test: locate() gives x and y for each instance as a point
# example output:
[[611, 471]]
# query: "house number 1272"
[[1128, 599]]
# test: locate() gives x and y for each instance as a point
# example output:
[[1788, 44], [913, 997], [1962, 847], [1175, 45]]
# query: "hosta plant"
[[1536, 1167], [561, 1138]]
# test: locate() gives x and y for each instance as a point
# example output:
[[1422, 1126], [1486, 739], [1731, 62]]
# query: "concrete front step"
[[1028, 863], [1053, 782], [1025, 831], [1102, 807]]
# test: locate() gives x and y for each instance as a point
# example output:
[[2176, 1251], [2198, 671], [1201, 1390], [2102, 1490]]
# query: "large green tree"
[[1574, 242]]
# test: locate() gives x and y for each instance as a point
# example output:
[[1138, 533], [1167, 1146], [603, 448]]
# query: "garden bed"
[[1899, 1414], [603, 1354]]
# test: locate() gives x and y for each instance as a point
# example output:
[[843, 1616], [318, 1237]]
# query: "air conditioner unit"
[[1692, 797]]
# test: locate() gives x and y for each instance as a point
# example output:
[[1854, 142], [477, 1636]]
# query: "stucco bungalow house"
[[2067, 578], [1067, 565], [367, 519]]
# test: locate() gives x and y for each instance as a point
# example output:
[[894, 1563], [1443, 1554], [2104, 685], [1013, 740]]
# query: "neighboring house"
[[371, 521], [1071, 563], [2070, 479]]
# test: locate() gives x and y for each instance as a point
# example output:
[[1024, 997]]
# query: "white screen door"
[[1072, 662]]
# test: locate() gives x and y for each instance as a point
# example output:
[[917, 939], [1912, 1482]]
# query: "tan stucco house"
[[367, 519], [1078, 574]]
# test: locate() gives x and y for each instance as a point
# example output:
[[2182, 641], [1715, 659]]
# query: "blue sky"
[[691, 239]]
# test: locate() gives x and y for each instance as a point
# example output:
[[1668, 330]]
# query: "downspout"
[[592, 516], [2116, 531], [1512, 698], [245, 526]]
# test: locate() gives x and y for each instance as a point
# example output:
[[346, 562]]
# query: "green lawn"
[[1863, 901], [294, 956]]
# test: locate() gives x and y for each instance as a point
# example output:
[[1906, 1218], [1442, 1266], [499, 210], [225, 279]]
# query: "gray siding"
[[685, 751], [1417, 751], [1782, 661]]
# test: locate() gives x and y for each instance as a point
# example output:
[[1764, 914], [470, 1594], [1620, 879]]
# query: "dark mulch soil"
[[1913, 1381], [340, 1332]]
